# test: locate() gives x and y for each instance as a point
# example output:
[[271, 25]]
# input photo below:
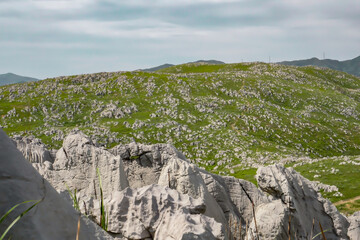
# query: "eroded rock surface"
[[143, 163], [151, 188], [158, 212], [354, 228], [299, 200], [34, 150]]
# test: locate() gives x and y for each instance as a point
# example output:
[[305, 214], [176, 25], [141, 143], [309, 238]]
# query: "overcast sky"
[[47, 38]]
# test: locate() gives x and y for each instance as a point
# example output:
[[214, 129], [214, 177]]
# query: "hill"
[[10, 78], [228, 118], [349, 66], [166, 65], [153, 69]]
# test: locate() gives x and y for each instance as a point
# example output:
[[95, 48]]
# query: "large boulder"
[[298, 203], [79, 165], [162, 164], [186, 179], [52, 218], [158, 212]]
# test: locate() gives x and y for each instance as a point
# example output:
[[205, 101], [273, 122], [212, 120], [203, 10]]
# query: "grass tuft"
[[18, 217]]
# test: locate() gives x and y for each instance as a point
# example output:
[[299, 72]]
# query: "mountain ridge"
[[351, 66], [11, 78], [167, 65]]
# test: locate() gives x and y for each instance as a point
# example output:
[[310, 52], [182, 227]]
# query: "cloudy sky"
[[47, 38]]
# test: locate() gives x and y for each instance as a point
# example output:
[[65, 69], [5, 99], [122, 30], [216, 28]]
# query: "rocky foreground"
[[154, 192]]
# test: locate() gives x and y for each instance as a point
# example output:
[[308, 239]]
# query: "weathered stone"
[[76, 166], [302, 202], [33, 149], [210, 200], [354, 228], [186, 179], [159, 212], [143, 163]]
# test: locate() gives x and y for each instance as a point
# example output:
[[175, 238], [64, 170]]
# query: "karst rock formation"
[[154, 192]]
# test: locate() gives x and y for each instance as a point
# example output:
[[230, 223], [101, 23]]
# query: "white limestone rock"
[[273, 221], [53, 218], [33, 149], [158, 212], [232, 199], [301, 201], [143, 163], [217, 200], [186, 179], [354, 228], [76, 167]]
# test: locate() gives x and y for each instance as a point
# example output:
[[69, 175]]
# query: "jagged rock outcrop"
[[230, 196], [186, 178], [52, 218], [139, 183], [162, 164], [143, 163], [354, 228], [75, 167], [295, 197], [158, 212], [34, 150]]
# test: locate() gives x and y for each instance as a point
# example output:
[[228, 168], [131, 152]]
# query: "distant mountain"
[[10, 78], [216, 62], [350, 66], [166, 65]]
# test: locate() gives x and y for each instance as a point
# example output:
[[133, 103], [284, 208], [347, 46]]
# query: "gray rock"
[[75, 167], [232, 199], [186, 179], [301, 201], [354, 228], [272, 221], [33, 149], [143, 163], [139, 209], [52, 218], [158, 212]]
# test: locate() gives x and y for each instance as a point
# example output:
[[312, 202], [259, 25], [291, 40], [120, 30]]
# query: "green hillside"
[[225, 118]]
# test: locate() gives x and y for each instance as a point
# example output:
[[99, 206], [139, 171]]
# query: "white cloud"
[[61, 4], [163, 3], [150, 32], [139, 28]]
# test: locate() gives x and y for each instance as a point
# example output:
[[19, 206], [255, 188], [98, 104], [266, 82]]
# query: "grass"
[[349, 208], [346, 178], [104, 217], [74, 198], [2, 219]]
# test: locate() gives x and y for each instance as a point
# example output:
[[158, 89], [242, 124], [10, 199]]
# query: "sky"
[[49, 38]]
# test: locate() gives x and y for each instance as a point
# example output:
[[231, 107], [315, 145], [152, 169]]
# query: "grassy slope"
[[222, 117]]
